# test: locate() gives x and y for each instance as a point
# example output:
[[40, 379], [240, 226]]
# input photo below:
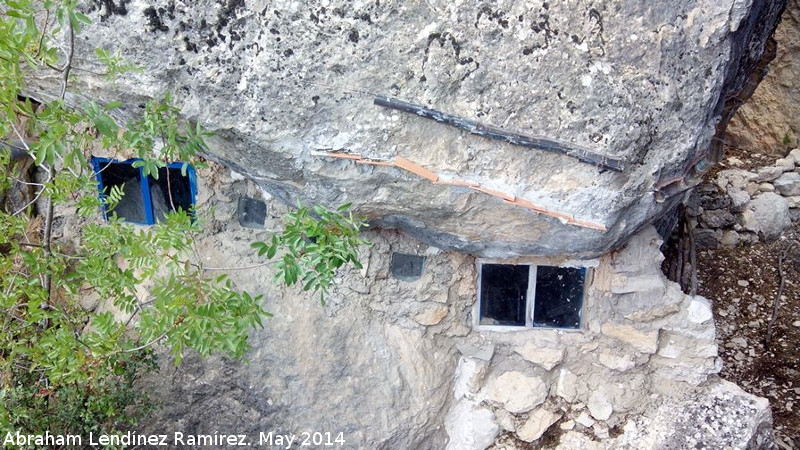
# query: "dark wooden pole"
[[492, 132]]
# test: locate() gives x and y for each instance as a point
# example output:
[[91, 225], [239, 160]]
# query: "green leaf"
[[261, 247], [105, 125], [112, 105], [83, 18], [41, 154]]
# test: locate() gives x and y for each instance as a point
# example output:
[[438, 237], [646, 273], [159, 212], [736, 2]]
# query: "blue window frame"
[[146, 198]]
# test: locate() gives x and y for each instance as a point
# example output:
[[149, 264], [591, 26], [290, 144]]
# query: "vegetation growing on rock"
[[69, 368]]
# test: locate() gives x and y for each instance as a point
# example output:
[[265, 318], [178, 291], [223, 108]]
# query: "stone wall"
[[643, 343], [742, 206], [398, 364]]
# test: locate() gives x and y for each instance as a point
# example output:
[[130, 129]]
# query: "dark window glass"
[[146, 200], [407, 267], [504, 289], [130, 207], [252, 213], [559, 296], [173, 183]]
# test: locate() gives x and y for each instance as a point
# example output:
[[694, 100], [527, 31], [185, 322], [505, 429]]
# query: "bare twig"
[[25, 183], [169, 188], [46, 236], [44, 32], [68, 64], [34, 200], [777, 302], [693, 260], [254, 266], [21, 139], [144, 346], [48, 218]]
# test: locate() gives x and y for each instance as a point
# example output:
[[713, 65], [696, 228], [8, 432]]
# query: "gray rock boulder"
[[718, 218], [517, 392], [795, 154], [732, 418], [706, 238], [547, 358], [767, 215], [734, 179], [600, 405], [738, 200], [730, 238], [787, 163], [538, 422], [768, 173], [720, 416], [788, 184], [282, 84]]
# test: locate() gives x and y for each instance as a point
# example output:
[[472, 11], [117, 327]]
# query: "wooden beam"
[[576, 151]]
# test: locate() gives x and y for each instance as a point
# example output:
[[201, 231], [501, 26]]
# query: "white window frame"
[[530, 294]]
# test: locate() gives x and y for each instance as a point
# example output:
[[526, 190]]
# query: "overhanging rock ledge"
[[651, 83]]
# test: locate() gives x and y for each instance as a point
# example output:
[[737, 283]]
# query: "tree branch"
[[68, 63], [48, 218], [44, 32]]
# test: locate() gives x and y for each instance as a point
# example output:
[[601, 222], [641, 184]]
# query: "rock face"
[[728, 418], [284, 83], [393, 363], [768, 122]]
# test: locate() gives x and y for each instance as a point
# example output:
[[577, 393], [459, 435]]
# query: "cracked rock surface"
[[278, 81]]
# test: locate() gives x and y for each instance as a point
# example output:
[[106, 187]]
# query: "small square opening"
[[252, 213], [407, 267]]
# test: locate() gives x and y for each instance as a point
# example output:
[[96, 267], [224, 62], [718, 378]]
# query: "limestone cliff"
[[283, 83], [770, 121]]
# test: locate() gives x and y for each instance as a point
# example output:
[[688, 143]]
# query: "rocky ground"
[[742, 283]]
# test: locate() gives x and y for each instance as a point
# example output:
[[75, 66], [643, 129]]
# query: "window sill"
[[513, 328]]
